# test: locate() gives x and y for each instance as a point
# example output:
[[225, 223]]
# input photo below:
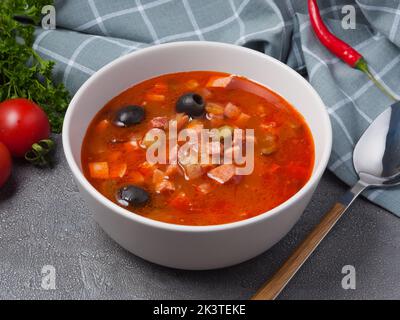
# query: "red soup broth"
[[114, 157]]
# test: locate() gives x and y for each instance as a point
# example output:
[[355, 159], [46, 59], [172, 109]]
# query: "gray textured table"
[[44, 221]]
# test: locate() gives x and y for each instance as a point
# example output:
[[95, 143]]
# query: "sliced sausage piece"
[[165, 186], [218, 82], [193, 171], [159, 122], [205, 188], [232, 111], [222, 174]]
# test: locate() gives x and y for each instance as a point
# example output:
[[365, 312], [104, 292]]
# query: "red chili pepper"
[[338, 47]]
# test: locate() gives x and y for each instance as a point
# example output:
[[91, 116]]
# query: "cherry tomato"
[[5, 164], [22, 123]]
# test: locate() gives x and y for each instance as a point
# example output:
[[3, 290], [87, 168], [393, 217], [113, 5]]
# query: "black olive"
[[132, 196], [128, 116], [192, 104]]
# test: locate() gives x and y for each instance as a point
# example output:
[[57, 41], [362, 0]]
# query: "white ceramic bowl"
[[191, 247]]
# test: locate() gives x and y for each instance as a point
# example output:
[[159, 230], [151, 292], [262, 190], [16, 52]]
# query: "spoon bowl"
[[376, 157]]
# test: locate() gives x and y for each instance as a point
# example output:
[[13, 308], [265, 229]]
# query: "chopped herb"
[[23, 73]]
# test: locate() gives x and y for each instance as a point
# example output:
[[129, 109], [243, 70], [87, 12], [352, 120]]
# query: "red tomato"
[[22, 123], [5, 164]]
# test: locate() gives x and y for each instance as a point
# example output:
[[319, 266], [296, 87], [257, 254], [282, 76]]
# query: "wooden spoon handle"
[[276, 284]]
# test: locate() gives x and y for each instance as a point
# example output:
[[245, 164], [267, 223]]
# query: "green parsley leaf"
[[23, 73]]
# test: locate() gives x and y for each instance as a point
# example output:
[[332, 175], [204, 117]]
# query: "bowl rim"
[[81, 179]]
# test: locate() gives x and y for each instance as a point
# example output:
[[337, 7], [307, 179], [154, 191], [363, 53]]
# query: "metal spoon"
[[376, 160]]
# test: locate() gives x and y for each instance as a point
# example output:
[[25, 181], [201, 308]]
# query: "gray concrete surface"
[[44, 221]]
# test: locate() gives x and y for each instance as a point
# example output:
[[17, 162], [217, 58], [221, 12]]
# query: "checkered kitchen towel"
[[91, 33]]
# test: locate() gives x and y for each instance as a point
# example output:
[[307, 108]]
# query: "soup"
[[220, 116]]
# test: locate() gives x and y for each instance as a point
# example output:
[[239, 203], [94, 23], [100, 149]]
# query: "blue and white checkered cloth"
[[91, 33]]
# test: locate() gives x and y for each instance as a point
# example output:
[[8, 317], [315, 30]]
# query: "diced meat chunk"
[[164, 186], [192, 84], [204, 188], [214, 108], [158, 176], [159, 123], [218, 82], [193, 171], [222, 174], [232, 111], [242, 120]]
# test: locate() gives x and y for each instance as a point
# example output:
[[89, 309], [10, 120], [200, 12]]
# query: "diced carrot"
[[158, 176], [102, 125], [180, 202], [232, 111], [155, 97], [165, 186], [99, 170], [205, 93], [214, 108], [222, 174], [242, 120], [204, 188], [193, 171], [118, 170], [192, 84], [159, 122], [218, 82], [146, 169], [134, 177]]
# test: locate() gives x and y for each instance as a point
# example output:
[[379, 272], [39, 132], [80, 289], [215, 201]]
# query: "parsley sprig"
[[23, 73]]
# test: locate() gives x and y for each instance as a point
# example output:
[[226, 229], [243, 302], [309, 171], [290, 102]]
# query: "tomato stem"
[[40, 155]]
